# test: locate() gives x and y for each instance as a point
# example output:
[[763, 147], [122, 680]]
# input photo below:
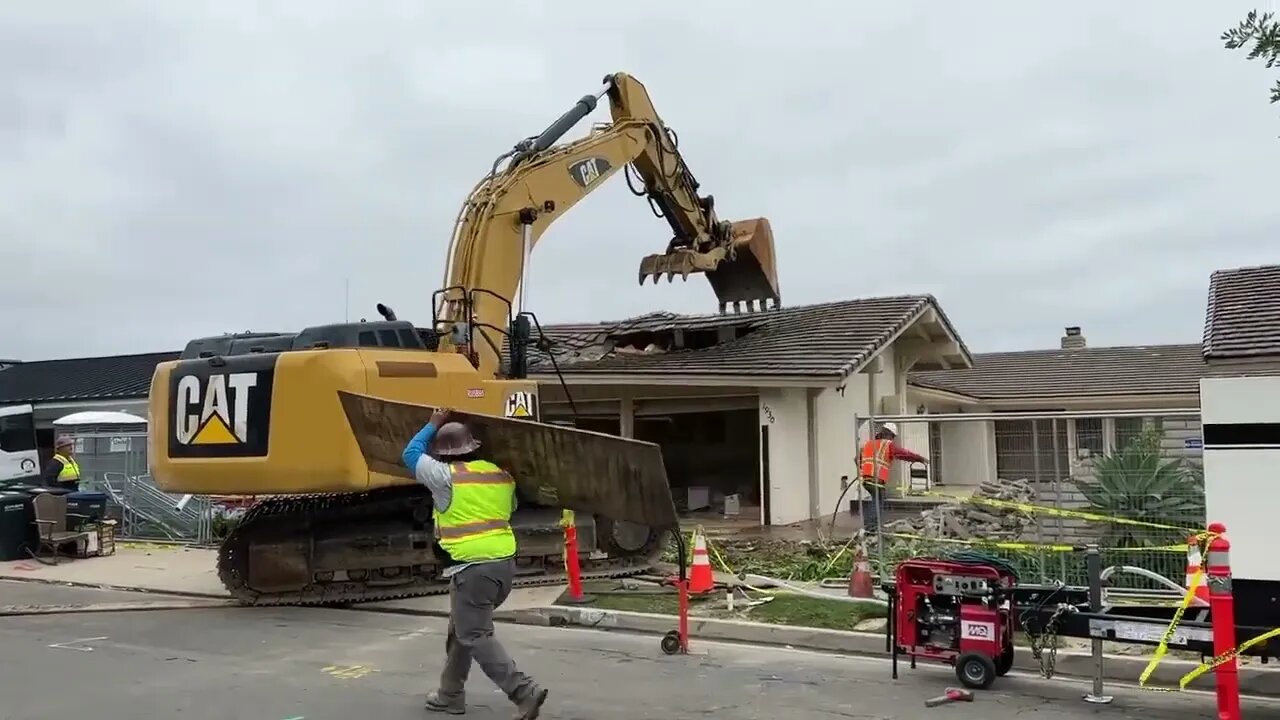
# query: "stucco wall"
[[785, 411]]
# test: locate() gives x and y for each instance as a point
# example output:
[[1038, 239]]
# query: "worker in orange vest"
[[876, 457]]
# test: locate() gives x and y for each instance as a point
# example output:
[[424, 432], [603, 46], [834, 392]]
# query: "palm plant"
[[1138, 483]]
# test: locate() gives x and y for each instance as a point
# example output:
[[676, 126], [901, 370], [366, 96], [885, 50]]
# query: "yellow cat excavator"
[[315, 420]]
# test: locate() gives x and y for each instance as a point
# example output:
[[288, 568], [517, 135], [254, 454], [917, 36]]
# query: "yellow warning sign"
[[214, 432]]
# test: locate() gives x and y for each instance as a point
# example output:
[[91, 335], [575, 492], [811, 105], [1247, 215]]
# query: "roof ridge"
[[761, 314], [1244, 268], [1185, 346]]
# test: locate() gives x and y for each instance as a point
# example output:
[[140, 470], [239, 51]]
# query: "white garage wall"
[[785, 411]]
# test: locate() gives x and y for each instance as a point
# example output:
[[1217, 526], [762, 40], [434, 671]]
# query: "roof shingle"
[[100, 378], [828, 339], [1135, 370], [1243, 315]]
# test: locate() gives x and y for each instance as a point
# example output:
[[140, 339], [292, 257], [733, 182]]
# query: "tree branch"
[[1261, 35]]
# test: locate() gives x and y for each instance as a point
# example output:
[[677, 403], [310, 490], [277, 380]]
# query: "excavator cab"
[[739, 265]]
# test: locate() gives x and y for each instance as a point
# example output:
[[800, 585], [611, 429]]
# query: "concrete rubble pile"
[[970, 520]]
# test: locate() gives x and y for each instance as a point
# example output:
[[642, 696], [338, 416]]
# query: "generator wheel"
[[671, 642], [1004, 663], [975, 671]]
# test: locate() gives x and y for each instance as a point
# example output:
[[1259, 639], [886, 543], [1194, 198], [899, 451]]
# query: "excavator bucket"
[[562, 467], [743, 272]]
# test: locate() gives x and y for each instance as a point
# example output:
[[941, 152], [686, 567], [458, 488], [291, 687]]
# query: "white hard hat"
[[889, 427]]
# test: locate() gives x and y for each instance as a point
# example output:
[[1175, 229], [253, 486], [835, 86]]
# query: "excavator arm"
[[508, 211]]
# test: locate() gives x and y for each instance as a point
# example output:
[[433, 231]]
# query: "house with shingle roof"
[[764, 405], [1063, 404]]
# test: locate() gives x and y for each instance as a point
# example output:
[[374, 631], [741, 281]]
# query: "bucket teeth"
[[666, 265]]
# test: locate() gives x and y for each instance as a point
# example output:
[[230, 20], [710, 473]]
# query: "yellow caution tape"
[[1228, 656], [1163, 647], [1018, 545], [1057, 512], [719, 560]]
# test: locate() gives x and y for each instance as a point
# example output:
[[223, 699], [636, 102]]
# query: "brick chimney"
[[1073, 340]]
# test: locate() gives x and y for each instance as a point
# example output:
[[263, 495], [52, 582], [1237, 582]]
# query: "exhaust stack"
[[739, 264]]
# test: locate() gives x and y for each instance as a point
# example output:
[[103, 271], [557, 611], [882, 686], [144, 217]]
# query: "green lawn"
[[784, 609]]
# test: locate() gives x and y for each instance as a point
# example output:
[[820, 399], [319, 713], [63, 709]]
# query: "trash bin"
[[34, 490], [17, 527], [85, 507]]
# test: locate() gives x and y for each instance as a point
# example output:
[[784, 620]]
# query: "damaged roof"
[[1243, 315], [824, 340], [1134, 370]]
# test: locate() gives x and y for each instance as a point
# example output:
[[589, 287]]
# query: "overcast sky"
[[176, 169]]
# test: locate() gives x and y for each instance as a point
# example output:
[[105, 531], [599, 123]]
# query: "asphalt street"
[[322, 664]]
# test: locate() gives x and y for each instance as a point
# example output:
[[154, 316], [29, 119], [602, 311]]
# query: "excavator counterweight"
[[740, 268]]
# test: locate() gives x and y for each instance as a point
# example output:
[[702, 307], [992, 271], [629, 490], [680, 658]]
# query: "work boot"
[[436, 702], [528, 707]]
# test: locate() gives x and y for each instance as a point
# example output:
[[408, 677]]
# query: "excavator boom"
[[510, 209]]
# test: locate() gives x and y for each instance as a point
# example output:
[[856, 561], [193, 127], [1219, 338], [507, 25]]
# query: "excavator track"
[[305, 511]]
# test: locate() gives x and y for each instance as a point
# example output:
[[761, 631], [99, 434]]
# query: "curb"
[[119, 588], [193, 604], [1119, 668]]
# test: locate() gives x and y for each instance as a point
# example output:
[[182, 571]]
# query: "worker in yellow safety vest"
[[62, 470], [473, 500], [875, 460]]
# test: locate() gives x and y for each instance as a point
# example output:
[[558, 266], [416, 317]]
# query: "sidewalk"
[[192, 572], [158, 568], [175, 570]]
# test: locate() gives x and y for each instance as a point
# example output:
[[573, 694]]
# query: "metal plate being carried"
[[564, 467]]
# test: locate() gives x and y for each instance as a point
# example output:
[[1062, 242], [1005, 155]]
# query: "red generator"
[[956, 612]]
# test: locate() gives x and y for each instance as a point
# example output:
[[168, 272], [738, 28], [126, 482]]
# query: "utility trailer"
[[1240, 419]]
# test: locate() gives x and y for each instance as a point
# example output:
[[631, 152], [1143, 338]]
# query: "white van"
[[19, 458]]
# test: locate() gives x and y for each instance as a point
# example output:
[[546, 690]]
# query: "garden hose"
[[974, 557]]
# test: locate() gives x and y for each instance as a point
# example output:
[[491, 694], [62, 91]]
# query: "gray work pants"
[[871, 507], [474, 593]]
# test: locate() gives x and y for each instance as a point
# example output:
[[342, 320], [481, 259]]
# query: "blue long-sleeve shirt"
[[436, 476], [430, 472]]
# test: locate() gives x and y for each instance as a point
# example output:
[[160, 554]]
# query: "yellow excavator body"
[[272, 423]]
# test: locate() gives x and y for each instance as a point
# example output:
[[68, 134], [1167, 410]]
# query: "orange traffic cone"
[[1193, 567], [700, 577], [860, 576]]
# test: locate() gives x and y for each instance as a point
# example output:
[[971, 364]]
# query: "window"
[[388, 338], [1031, 449], [17, 433], [1089, 436], [367, 339]]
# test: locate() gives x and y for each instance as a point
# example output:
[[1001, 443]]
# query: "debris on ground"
[[967, 520]]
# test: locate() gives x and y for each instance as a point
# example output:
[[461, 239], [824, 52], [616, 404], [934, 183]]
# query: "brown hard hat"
[[454, 438], [63, 441]]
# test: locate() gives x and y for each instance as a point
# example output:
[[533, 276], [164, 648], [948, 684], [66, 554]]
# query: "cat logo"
[[522, 404], [223, 415], [220, 414], [588, 171]]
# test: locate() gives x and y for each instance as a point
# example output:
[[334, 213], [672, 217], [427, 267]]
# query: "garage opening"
[[712, 459]]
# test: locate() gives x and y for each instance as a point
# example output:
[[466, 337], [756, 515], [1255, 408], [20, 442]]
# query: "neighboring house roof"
[[1243, 315], [100, 378], [1138, 370], [824, 340]]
